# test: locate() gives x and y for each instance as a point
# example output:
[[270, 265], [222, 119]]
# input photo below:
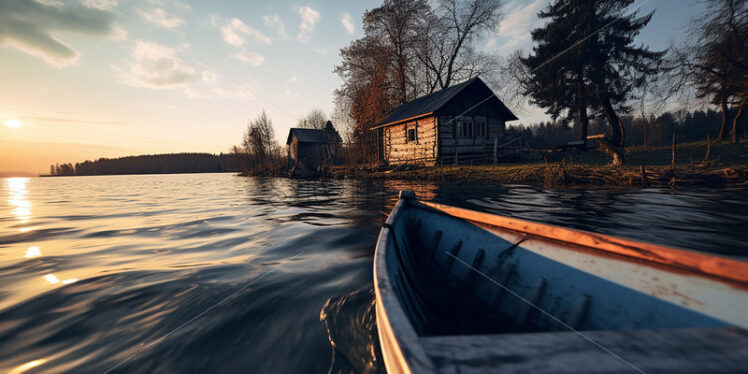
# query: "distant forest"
[[654, 131], [172, 163]]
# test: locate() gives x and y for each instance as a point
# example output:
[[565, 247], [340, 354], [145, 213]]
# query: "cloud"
[[520, 19], [322, 51], [155, 66], [172, 4], [235, 32], [252, 58], [100, 4], [275, 22], [161, 18], [293, 79], [118, 34], [209, 77], [347, 22], [309, 18], [34, 28]]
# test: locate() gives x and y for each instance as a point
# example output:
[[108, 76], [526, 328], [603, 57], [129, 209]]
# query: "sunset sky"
[[105, 78]]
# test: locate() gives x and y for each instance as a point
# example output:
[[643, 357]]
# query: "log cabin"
[[312, 148], [460, 124]]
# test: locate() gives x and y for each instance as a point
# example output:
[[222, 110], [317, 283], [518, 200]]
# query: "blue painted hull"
[[437, 275]]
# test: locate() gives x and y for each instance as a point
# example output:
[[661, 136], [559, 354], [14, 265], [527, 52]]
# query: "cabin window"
[[411, 135], [464, 129], [481, 129]]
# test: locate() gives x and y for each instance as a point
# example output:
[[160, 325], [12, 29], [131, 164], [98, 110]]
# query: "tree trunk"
[[584, 121], [725, 119], [736, 125], [616, 127], [617, 153]]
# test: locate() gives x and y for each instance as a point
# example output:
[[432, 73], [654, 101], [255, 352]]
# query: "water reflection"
[[33, 252], [27, 366], [351, 325], [116, 262], [51, 279], [16, 188], [423, 190]]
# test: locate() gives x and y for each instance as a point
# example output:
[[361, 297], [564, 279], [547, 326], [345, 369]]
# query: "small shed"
[[312, 148], [464, 123]]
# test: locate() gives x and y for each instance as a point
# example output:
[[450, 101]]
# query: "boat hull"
[[520, 282]]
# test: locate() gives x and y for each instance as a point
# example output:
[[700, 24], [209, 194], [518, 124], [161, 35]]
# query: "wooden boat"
[[459, 291]]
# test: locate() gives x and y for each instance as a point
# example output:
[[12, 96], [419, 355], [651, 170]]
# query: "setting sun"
[[13, 123], [419, 186]]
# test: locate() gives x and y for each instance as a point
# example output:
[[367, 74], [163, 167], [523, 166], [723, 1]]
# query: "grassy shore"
[[725, 166]]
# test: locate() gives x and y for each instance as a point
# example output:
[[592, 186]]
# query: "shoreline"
[[558, 174], [696, 164]]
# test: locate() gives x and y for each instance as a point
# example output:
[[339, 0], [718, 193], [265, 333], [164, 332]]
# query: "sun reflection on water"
[[51, 278], [17, 198], [27, 366], [33, 252]]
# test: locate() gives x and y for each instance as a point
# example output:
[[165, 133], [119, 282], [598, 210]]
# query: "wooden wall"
[[311, 155], [423, 151], [474, 149], [437, 142], [438, 147]]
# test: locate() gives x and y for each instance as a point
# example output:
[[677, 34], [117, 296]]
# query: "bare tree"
[[712, 64], [397, 24], [410, 49], [315, 119], [448, 50], [260, 150]]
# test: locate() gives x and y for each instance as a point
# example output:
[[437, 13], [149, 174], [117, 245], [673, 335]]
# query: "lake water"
[[218, 273]]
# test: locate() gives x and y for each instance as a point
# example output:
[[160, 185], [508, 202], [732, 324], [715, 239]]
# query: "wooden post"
[[708, 145], [673, 151], [644, 177], [495, 147], [457, 148], [379, 137]]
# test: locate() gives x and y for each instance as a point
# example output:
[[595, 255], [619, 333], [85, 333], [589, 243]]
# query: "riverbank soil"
[[724, 165]]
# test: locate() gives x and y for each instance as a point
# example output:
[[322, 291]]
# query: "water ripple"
[[92, 269]]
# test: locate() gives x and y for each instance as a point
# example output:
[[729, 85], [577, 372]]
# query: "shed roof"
[[426, 105], [307, 135]]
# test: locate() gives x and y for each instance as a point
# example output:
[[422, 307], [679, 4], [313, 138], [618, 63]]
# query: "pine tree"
[[617, 66], [556, 78], [585, 57]]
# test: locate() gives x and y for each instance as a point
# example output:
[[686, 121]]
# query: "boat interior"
[[453, 277], [455, 295]]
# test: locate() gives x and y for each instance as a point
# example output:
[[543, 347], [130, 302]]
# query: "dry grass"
[[727, 166]]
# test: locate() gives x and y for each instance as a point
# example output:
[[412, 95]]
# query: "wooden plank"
[[534, 298], [733, 271], [422, 151], [714, 350], [579, 312], [403, 120], [397, 338]]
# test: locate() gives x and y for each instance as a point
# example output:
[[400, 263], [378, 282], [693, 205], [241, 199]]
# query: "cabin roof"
[[307, 135], [427, 105]]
